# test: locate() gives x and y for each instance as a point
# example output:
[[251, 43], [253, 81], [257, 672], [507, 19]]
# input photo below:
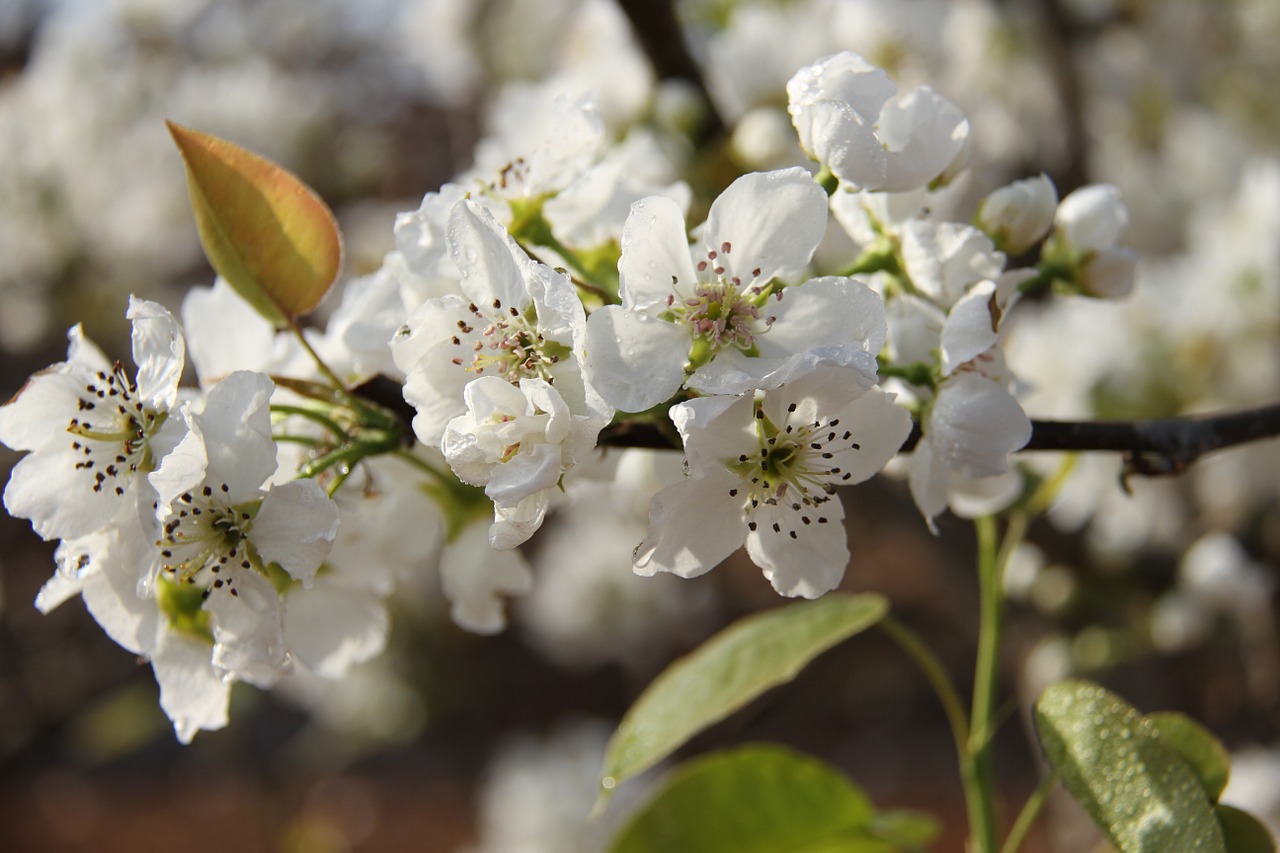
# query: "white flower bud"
[[1092, 217], [1108, 273], [1020, 214], [848, 120]]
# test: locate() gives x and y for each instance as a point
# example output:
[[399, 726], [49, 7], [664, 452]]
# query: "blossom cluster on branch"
[[562, 285]]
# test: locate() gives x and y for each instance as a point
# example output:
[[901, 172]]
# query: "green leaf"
[[1244, 832], [263, 230], [728, 671], [754, 799], [1113, 761], [1198, 747]]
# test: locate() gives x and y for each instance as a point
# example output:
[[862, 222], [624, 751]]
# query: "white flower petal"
[[296, 527], [975, 424], [191, 693], [924, 134], [634, 361], [805, 565], [58, 498], [693, 526], [944, 258], [655, 256], [706, 427], [158, 350], [827, 310], [474, 577], [236, 426], [225, 334], [486, 255], [249, 637], [879, 426], [182, 469], [121, 563], [915, 329], [330, 627], [514, 523], [928, 481], [772, 221], [57, 590], [970, 329]]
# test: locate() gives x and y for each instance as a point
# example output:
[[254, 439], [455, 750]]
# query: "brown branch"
[[657, 29], [1156, 447], [1160, 446]]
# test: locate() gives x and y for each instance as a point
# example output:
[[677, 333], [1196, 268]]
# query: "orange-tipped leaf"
[[263, 230]]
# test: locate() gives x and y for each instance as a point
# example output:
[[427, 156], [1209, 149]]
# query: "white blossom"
[[517, 442], [221, 532], [1088, 224], [90, 428], [763, 470], [712, 318], [1020, 214], [516, 318], [850, 121], [971, 427]]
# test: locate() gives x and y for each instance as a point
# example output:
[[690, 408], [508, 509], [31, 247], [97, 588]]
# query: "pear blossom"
[[970, 429], [1087, 226], [763, 469], [112, 571], [517, 442], [943, 259], [1020, 214], [516, 318], [220, 531], [849, 120], [711, 318], [91, 428]]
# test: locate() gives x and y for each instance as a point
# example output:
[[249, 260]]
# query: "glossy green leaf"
[[1198, 747], [753, 799], [1113, 761], [728, 671], [263, 229], [1244, 832]]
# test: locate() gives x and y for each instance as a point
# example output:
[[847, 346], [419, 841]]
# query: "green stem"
[[933, 672], [325, 370], [349, 455], [1027, 817], [312, 415], [982, 816], [337, 481], [282, 438]]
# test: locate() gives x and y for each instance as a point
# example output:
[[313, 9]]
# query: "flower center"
[[723, 311], [506, 343], [203, 537], [795, 471], [110, 430]]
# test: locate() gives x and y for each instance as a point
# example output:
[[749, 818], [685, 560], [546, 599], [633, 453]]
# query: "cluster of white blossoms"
[[225, 532]]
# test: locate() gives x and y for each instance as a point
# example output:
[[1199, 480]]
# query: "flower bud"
[[1108, 273], [1019, 215], [1092, 217]]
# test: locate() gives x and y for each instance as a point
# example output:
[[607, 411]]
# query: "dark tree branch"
[[1151, 448], [1160, 446], [658, 31]]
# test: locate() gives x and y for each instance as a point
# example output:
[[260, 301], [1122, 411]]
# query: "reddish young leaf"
[[263, 230]]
